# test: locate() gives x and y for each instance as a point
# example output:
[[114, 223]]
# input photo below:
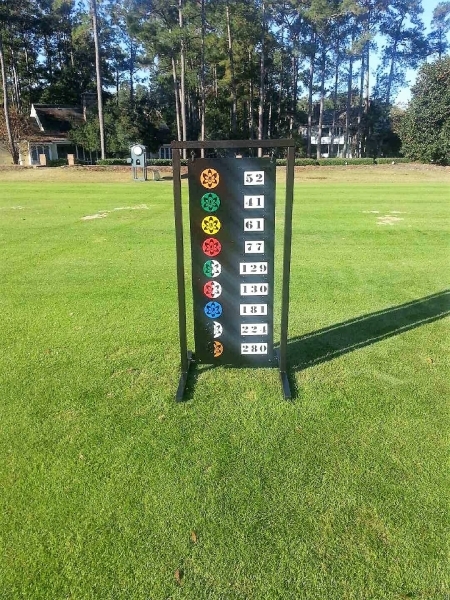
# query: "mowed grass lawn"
[[111, 490]]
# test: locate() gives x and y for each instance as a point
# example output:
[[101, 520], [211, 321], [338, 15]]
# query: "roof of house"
[[51, 122]]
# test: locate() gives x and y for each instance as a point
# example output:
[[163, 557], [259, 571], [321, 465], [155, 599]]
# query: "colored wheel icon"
[[218, 329], [211, 225], [211, 247], [213, 310], [212, 268], [218, 349], [212, 289], [210, 202], [209, 178]]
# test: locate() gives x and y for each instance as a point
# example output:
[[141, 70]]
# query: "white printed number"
[[254, 289], [253, 309], [253, 328], [252, 268], [253, 224], [253, 177], [253, 201], [254, 247], [253, 348]]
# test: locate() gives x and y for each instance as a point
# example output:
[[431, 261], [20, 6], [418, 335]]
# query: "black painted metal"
[[281, 354], [186, 357], [286, 269], [209, 144], [218, 339]]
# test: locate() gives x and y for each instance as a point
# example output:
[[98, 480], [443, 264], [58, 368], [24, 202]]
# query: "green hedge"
[[388, 161], [159, 162], [151, 162], [281, 162], [330, 162], [59, 162], [164, 162], [112, 161]]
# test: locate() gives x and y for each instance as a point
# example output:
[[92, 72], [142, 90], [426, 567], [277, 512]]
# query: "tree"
[[440, 26], [405, 45], [425, 127]]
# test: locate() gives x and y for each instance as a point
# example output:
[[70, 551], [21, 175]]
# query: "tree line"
[[217, 69]]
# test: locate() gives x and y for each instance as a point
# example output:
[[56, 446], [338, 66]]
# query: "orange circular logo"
[[218, 349], [209, 178]]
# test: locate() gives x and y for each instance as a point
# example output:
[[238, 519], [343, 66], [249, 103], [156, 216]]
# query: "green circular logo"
[[210, 202], [212, 268]]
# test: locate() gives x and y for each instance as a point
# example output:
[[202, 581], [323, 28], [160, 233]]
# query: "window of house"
[[39, 149], [65, 149], [165, 152]]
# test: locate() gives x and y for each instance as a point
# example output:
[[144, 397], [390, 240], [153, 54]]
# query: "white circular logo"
[[218, 329], [216, 268]]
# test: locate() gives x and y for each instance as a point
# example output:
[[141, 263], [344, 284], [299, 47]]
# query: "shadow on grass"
[[331, 342]]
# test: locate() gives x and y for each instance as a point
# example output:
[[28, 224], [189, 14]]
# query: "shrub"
[[159, 162], [388, 161], [306, 162], [112, 161], [164, 162], [329, 162], [58, 162]]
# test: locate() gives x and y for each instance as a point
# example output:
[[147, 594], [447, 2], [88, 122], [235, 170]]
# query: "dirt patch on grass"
[[388, 220], [105, 213]]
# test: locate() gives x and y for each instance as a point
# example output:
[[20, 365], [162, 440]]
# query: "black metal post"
[[286, 270], [186, 356]]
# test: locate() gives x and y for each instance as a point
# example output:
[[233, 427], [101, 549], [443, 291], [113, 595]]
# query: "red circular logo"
[[211, 247], [212, 289]]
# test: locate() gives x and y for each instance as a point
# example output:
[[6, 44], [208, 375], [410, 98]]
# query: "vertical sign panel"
[[232, 221]]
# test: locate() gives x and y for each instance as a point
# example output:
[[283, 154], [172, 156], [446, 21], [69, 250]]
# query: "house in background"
[[332, 140], [48, 131]]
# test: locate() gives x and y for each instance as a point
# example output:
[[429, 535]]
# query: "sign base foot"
[[183, 378], [284, 380]]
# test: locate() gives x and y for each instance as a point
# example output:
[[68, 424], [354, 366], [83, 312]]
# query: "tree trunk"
[[261, 80], [183, 77], [322, 102], [177, 99], [360, 104], [393, 61], [367, 80], [202, 83], [310, 104], [349, 107], [251, 125], [232, 73], [132, 59], [99, 79], [16, 82], [335, 92], [11, 142], [294, 95]]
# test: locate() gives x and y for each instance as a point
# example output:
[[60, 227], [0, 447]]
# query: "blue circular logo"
[[213, 310]]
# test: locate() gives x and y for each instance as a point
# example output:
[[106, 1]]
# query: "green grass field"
[[110, 490]]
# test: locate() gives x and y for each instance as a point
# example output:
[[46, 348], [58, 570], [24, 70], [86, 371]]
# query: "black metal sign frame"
[[187, 357]]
